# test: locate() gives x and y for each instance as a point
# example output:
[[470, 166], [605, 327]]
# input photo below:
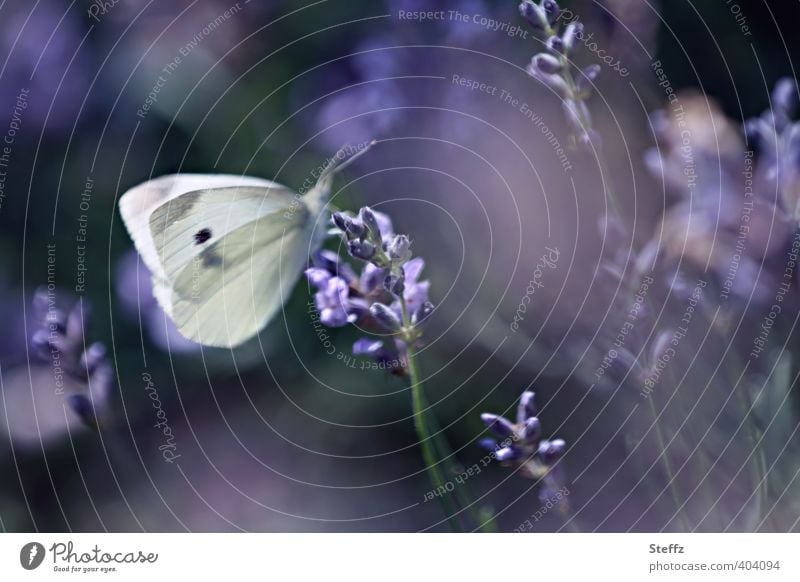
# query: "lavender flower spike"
[[63, 336], [521, 445], [387, 297]]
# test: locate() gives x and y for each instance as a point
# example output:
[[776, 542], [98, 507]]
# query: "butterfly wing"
[[137, 205], [232, 289], [224, 255]]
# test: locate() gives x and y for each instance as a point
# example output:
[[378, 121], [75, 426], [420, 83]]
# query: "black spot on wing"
[[202, 236]]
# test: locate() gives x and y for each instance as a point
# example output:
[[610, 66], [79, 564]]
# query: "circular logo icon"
[[31, 555]]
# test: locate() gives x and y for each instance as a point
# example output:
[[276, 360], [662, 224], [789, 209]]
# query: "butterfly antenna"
[[335, 167]]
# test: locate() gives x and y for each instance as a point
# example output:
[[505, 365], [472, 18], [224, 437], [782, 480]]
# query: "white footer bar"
[[401, 557]]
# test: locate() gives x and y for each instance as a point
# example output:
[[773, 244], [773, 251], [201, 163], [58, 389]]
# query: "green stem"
[[429, 456], [426, 441], [462, 492]]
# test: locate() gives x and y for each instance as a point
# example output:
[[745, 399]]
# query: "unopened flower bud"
[[500, 426], [534, 14], [552, 10], [351, 228], [507, 454], [554, 82], [395, 283], [555, 44], [93, 357], [547, 64], [367, 217], [361, 249], [532, 429], [551, 451], [399, 248], [527, 406], [784, 98], [341, 221], [41, 343], [573, 31]]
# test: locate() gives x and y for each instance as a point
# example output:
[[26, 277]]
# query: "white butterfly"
[[225, 251]]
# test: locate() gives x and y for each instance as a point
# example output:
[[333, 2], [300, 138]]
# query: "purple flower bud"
[[500, 426], [552, 10], [40, 342], [554, 82], [369, 220], [534, 14], [573, 32], [82, 406], [784, 99], [385, 226], [547, 64], [754, 130], [508, 454], [361, 249], [93, 357], [342, 221], [385, 316], [527, 406], [555, 44], [532, 429], [399, 248], [551, 451], [351, 228], [395, 283]]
